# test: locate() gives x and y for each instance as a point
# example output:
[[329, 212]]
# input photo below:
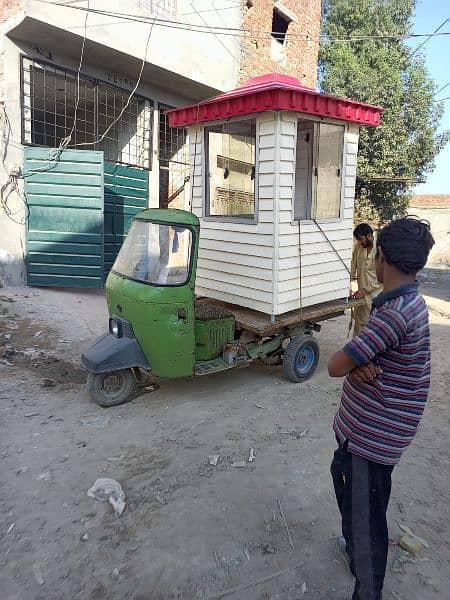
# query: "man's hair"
[[362, 229], [406, 244]]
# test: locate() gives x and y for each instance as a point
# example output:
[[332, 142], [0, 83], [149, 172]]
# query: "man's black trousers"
[[362, 492]]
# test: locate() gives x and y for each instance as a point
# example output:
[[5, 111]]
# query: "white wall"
[[212, 60], [439, 219]]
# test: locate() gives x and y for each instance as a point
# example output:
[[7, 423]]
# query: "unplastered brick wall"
[[9, 8], [301, 48]]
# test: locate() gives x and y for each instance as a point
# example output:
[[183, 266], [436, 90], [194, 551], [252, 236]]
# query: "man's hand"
[[360, 293], [365, 374]]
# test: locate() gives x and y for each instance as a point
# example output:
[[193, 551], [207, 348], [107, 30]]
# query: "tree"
[[384, 72]]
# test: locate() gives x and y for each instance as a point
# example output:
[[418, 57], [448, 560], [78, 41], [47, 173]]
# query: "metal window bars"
[[49, 98], [173, 162]]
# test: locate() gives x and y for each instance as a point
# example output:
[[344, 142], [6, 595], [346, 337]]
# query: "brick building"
[[292, 47]]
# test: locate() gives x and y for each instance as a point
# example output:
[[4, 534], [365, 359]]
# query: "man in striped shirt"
[[387, 369]]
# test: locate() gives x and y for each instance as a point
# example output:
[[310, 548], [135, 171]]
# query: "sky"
[[429, 15]]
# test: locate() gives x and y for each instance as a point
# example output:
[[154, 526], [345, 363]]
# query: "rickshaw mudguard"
[[109, 353]]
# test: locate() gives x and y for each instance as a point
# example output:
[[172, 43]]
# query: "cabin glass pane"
[[328, 171], [230, 176]]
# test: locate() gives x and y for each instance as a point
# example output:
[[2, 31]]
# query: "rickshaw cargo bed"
[[260, 323]]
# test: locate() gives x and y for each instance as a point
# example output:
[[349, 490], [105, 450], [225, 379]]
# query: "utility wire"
[[127, 103], [233, 31], [429, 37], [216, 36], [442, 88], [65, 142]]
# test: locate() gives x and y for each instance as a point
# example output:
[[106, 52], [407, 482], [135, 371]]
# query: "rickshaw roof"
[[171, 216], [275, 92]]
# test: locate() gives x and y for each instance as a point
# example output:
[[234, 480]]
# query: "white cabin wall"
[[322, 272], [236, 260]]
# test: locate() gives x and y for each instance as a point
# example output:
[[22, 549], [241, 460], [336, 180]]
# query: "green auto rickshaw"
[[157, 324]]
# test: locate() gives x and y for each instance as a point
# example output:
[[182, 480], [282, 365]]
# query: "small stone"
[[47, 383], [115, 573], [37, 572], [213, 460], [84, 537], [268, 549], [239, 464], [410, 544]]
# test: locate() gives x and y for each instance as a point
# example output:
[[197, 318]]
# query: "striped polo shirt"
[[379, 419]]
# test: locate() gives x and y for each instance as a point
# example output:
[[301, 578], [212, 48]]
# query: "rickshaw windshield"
[[155, 254]]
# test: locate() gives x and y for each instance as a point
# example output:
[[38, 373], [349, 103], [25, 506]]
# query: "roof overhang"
[[275, 92]]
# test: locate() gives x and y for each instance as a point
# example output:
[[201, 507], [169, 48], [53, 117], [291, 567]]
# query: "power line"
[[233, 31], [216, 36], [442, 88], [56, 154], [429, 37], [127, 103]]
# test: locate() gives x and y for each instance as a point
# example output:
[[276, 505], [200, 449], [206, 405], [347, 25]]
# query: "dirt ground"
[[191, 530]]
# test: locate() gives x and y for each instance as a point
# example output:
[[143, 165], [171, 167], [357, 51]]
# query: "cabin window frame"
[[238, 219], [311, 206]]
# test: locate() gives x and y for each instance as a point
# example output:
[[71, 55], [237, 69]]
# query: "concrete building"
[[435, 208], [79, 155]]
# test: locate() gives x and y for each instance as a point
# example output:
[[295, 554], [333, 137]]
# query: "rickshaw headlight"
[[115, 328]]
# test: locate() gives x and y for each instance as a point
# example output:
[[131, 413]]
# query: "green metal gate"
[[126, 194], [65, 223], [80, 210]]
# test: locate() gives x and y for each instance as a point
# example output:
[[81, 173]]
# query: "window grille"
[[49, 98], [173, 162]]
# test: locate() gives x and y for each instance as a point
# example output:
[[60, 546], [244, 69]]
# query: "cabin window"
[[230, 181], [328, 172], [318, 174]]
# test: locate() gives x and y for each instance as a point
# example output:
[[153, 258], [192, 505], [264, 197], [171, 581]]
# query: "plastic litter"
[[108, 490]]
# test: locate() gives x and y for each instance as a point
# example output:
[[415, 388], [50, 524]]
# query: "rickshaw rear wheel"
[[112, 388], [300, 358]]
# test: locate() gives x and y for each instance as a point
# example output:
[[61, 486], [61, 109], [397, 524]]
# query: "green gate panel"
[[65, 222], [126, 194]]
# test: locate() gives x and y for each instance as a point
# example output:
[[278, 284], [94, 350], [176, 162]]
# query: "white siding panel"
[[267, 141], [311, 300], [286, 166], [236, 236], [266, 167], [265, 307], [263, 284], [267, 154], [266, 179], [287, 127], [236, 248], [235, 261], [249, 229], [239, 291], [266, 192]]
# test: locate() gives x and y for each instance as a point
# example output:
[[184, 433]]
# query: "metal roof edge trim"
[[276, 98]]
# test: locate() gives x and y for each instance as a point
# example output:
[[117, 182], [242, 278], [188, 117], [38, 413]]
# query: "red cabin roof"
[[275, 92]]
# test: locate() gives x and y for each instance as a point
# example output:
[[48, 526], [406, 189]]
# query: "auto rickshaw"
[[156, 324]]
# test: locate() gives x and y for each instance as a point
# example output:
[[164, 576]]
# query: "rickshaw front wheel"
[[112, 388]]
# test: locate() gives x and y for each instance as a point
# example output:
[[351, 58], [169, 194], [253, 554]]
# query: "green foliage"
[[382, 72]]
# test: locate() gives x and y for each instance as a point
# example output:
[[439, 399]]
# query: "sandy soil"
[[191, 530]]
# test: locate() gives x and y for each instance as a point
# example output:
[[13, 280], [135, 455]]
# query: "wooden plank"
[[261, 323]]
